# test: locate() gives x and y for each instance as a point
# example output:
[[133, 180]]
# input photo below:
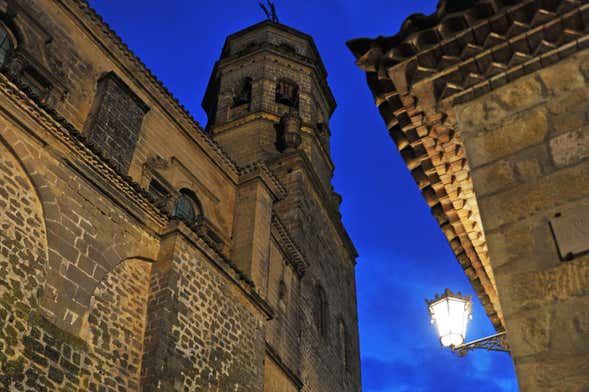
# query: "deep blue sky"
[[404, 257]]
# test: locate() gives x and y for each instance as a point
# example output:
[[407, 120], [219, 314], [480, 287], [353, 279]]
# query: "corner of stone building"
[[528, 145]]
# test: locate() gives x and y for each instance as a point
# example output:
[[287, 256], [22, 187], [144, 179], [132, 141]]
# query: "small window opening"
[[287, 93], [321, 312], [38, 85], [343, 343], [187, 207], [244, 95], [282, 293], [6, 44], [157, 191]]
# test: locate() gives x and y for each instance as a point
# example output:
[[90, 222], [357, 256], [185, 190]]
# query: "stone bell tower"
[[268, 105], [268, 94]]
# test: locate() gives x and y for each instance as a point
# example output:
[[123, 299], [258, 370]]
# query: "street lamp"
[[450, 313]]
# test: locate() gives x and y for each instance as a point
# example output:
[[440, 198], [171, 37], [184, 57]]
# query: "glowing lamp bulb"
[[450, 313]]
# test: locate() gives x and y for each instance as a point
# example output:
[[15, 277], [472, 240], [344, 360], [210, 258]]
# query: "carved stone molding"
[[293, 254]]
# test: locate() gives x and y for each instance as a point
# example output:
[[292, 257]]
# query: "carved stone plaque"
[[571, 231]]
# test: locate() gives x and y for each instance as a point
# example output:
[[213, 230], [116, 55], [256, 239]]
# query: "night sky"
[[404, 257]]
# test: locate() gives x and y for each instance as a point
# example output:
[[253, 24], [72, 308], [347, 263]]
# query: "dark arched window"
[[321, 311], [6, 44], [187, 207], [244, 94], [282, 291], [287, 93], [343, 342]]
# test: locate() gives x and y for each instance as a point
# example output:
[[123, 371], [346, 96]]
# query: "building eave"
[[462, 51]]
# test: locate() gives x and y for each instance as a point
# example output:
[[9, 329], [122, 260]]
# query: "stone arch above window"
[[244, 92], [23, 233], [187, 207], [287, 93], [321, 311]]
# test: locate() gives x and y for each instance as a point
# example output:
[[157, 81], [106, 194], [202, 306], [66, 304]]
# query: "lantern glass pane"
[[451, 317]]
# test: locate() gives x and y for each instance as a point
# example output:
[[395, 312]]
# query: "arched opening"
[[321, 311], [7, 44], [244, 93], [287, 93], [282, 294], [187, 207], [343, 343]]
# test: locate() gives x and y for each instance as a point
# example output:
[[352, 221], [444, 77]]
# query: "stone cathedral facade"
[[140, 251], [487, 102]]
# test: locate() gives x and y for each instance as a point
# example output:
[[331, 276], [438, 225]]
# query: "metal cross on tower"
[[270, 11]]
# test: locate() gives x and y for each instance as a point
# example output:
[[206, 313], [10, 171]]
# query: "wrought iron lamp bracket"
[[497, 342]]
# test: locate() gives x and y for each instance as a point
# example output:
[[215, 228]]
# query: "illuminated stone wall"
[[102, 286], [528, 147]]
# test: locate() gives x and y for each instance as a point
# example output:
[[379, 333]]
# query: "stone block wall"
[[275, 380], [527, 144], [117, 322], [82, 314], [82, 295], [331, 267], [211, 340], [283, 293], [100, 288]]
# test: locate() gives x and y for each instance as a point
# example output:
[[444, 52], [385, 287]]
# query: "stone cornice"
[[120, 52], [253, 116], [292, 252], [434, 152], [467, 54], [259, 170], [275, 119]]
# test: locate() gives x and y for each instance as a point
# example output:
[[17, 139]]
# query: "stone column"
[[251, 234]]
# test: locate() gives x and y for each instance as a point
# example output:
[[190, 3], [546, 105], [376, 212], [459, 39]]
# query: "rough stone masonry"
[[487, 102], [142, 252]]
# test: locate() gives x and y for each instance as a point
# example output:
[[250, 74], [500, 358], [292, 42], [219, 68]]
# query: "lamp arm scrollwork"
[[497, 342]]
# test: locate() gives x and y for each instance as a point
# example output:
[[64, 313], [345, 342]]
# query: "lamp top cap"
[[449, 294]]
